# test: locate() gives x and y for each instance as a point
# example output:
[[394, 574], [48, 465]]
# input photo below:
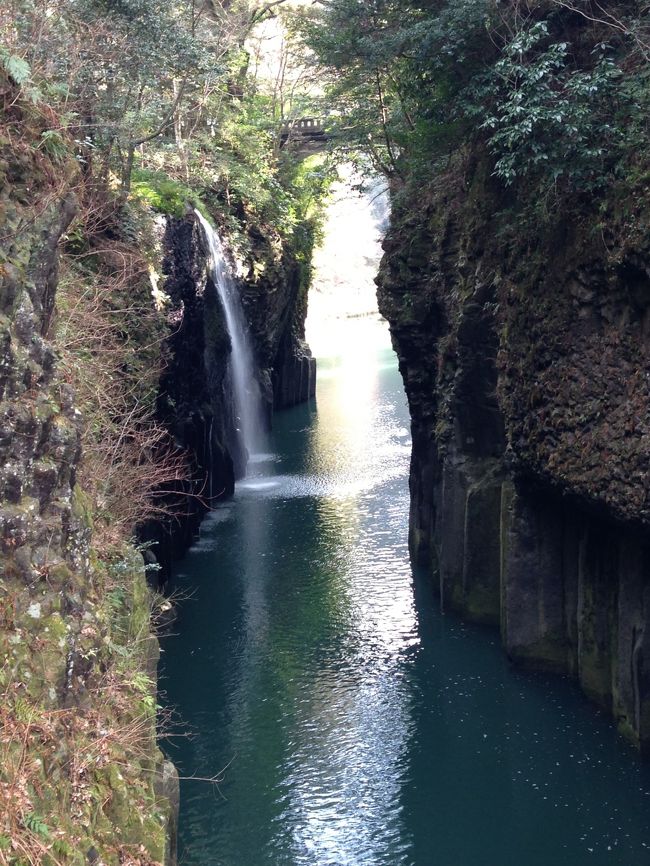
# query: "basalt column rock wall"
[[275, 298], [524, 346], [65, 695], [195, 400]]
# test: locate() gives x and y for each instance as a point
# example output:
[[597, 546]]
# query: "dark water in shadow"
[[359, 726]]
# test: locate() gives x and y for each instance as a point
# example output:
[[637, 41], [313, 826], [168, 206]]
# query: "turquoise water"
[[350, 723]]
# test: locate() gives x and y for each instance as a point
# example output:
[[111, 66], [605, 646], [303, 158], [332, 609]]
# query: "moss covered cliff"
[[81, 775], [522, 335], [115, 421]]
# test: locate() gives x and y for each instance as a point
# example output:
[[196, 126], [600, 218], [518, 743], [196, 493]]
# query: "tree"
[[554, 91], [394, 68]]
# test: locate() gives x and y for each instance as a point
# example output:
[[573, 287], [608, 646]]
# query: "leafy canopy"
[[554, 90]]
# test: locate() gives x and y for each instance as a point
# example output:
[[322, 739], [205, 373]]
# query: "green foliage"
[[54, 145], [129, 70], [559, 102], [161, 192], [35, 824], [244, 159], [116, 599], [161, 99], [20, 72], [307, 183], [16, 67], [548, 119], [61, 848], [395, 70]]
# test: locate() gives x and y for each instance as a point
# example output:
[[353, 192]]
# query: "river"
[[348, 721]]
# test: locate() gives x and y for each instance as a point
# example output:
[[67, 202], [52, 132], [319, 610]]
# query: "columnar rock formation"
[[58, 682], [523, 344]]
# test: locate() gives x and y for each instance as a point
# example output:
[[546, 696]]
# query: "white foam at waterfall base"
[[246, 393]]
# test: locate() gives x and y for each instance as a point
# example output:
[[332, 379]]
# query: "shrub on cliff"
[[555, 90]]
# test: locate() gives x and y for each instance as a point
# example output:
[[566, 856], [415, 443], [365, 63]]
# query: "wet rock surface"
[[274, 294], [196, 400]]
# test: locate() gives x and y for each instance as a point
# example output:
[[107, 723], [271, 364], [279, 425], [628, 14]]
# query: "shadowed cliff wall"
[[195, 400], [523, 343]]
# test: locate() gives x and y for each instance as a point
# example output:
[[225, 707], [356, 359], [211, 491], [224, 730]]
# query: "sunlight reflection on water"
[[363, 727], [358, 725]]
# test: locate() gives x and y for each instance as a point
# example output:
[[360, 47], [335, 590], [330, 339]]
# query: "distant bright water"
[[358, 725]]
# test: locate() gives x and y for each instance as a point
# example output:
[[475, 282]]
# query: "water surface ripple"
[[357, 725]]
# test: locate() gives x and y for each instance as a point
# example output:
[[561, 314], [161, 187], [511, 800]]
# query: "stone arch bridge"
[[305, 135]]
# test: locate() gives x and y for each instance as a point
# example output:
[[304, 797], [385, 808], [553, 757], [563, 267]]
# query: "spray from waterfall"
[[245, 388]]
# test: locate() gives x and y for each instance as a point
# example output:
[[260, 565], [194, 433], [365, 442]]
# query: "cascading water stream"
[[245, 388]]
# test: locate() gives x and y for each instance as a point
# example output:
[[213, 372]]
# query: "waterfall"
[[244, 385]]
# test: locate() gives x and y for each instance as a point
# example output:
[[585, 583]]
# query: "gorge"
[[353, 672], [330, 696]]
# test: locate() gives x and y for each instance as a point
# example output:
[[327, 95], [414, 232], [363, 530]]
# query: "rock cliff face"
[[81, 774], [39, 438], [524, 347], [274, 294], [196, 401], [66, 693]]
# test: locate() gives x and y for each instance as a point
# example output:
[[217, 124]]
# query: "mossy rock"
[[82, 506], [162, 193]]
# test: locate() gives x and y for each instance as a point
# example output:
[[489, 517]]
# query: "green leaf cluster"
[[559, 101], [161, 192], [16, 67], [36, 824], [547, 118]]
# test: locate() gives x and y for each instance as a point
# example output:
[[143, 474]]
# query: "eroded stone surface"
[[59, 633], [524, 348]]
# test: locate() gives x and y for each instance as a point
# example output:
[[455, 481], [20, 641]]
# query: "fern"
[[142, 683], [16, 68], [61, 848], [117, 649], [35, 824], [53, 144]]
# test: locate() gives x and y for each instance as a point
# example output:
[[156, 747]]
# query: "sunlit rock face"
[[42, 538], [525, 363]]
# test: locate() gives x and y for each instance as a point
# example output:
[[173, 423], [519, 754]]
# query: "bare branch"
[[258, 15]]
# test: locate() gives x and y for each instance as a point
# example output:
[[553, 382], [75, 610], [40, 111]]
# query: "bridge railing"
[[304, 124], [304, 132]]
